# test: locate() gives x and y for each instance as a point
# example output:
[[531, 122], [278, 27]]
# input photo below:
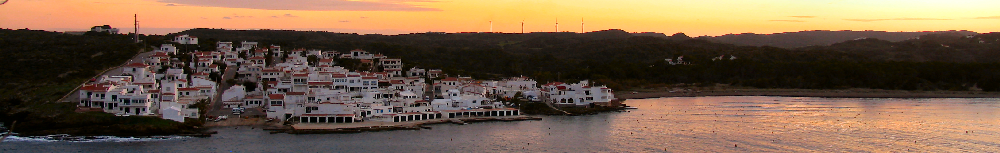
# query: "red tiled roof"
[[397, 82], [187, 89], [276, 96], [553, 83], [339, 75], [450, 79], [295, 93], [160, 54], [369, 77], [258, 57], [300, 75]]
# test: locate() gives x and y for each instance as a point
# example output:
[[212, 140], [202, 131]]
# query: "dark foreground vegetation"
[[39, 67], [939, 61]]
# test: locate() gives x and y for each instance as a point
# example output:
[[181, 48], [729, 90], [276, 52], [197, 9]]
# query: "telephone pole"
[[136, 28]]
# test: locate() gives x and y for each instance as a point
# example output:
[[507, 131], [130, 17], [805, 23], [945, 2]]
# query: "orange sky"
[[696, 18]]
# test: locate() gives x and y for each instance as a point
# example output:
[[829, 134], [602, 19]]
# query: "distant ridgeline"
[[820, 37], [622, 60]]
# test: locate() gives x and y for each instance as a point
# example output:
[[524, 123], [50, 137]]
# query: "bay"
[[678, 124]]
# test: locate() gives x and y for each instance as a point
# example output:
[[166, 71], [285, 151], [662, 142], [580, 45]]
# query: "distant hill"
[[621, 60], [821, 38]]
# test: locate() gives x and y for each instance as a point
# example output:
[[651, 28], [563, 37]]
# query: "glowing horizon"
[[695, 18]]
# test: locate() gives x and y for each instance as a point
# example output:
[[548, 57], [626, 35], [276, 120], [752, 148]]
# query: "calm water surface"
[[689, 124]]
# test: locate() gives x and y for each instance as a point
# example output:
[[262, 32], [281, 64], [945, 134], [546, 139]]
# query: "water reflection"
[[726, 124], [683, 124]]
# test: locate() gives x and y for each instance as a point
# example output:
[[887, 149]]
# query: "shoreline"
[[375, 126], [843, 93]]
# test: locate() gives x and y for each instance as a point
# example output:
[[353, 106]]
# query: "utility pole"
[[136, 28]]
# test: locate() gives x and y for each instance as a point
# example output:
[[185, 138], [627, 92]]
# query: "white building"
[[186, 40], [167, 48], [234, 97], [104, 29], [577, 94]]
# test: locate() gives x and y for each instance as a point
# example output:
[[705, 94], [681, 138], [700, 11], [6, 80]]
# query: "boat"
[[630, 107]]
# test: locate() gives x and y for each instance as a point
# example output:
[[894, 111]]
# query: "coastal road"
[[72, 97], [216, 108]]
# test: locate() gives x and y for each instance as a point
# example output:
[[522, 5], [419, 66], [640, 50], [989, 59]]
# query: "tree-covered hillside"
[[934, 62], [40, 65]]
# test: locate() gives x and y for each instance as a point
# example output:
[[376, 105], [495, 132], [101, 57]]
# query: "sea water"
[[681, 124]]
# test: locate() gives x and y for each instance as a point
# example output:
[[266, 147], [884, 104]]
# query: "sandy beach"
[[841, 93]]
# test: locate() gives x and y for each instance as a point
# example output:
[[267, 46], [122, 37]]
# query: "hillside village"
[[310, 86]]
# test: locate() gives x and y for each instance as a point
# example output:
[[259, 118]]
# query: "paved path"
[[117, 70], [217, 109]]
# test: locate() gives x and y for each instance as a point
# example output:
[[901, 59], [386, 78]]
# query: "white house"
[[168, 48], [577, 94], [172, 113], [234, 96], [186, 40]]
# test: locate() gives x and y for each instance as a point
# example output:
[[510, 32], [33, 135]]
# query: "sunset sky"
[[696, 18]]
